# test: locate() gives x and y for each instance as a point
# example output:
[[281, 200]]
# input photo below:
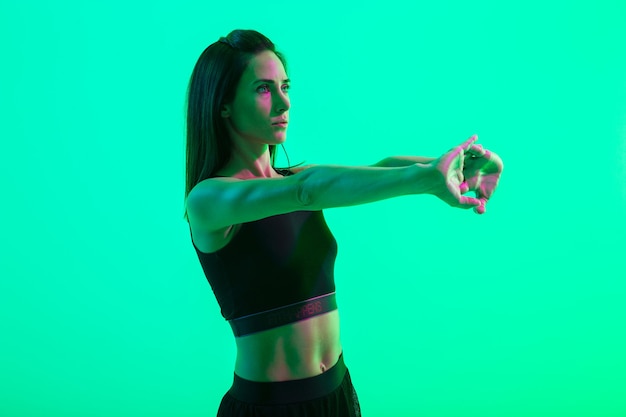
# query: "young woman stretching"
[[260, 233]]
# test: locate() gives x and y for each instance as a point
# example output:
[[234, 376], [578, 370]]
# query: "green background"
[[105, 311]]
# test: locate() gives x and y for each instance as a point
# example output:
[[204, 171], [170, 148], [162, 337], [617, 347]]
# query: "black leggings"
[[330, 394]]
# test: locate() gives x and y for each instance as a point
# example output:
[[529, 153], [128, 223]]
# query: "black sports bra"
[[272, 262]]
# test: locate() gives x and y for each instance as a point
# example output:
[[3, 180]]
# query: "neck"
[[247, 165], [250, 160]]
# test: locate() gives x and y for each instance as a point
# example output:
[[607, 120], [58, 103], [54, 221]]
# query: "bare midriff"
[[297, 350]]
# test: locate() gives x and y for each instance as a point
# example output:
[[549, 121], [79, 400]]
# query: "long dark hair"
[[213, 83]]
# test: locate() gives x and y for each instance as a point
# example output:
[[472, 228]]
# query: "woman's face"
[[261, 100]]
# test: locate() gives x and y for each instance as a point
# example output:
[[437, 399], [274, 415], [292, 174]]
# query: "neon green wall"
[[104, 310]]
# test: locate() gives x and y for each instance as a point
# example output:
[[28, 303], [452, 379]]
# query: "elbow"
[[305, 193]]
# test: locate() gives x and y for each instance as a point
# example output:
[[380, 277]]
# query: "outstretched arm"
[[389, 162], [219, 203], [402, 161]]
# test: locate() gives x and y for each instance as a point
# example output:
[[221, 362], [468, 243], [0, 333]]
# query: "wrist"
[[423, 177]]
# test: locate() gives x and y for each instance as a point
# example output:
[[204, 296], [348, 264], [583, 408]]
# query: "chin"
[[279, 139]]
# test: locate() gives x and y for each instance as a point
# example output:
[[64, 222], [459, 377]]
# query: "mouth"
[[280, 124]]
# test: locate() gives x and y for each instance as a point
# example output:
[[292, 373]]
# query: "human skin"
[[250, 116]]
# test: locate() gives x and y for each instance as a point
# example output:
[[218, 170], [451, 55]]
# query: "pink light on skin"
[[481, 171]]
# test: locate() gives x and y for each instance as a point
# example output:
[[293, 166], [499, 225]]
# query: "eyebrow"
[[270, 81]]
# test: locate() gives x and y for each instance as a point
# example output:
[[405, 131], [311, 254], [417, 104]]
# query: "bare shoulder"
[[216, 204], [205, 239], [204, 192]]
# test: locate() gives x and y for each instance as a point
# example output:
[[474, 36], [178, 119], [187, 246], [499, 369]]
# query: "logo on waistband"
[[309, 309]]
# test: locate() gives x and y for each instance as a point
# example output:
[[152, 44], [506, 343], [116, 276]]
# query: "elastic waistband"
[[283, 315], [299, 390]]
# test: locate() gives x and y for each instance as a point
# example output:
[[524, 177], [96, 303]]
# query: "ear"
[[225, 112]]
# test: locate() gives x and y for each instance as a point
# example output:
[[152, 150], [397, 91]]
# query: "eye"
[[264, 86], [286, 87]]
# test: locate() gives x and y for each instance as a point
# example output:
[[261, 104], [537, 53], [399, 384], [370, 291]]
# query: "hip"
[[328, 395]]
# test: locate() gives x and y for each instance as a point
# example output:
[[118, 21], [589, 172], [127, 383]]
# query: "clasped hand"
[[468, 168]]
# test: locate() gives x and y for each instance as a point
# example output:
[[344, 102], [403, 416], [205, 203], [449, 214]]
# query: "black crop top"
[[272, 262]]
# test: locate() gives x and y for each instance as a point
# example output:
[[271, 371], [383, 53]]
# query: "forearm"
[[402, 161], [326, 186]]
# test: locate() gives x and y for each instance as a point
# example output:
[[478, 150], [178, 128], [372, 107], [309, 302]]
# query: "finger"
[[459, 174], [469, 202], [461, 201], [464, 187], [465, 146], [477, 150], [482, 208], [469, 142]]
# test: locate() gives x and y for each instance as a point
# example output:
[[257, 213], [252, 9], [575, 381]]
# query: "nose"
[[282, 103]]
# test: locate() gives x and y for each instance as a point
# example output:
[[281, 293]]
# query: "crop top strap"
[[283, 171], [283, 315]]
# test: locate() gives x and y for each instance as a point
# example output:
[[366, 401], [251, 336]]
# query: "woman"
[[260, 234]]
